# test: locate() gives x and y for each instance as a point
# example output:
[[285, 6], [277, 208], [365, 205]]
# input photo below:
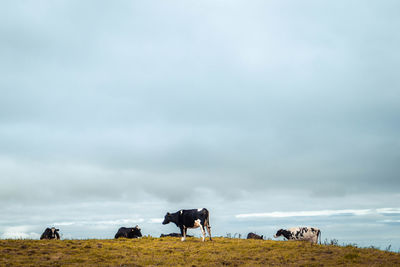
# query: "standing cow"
[[300, 233], [133, 232], [50, 233], [194, 218]]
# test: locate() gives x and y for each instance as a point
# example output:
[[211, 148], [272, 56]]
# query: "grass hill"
[[171, 251]]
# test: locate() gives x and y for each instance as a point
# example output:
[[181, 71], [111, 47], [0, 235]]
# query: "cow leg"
[[203, 232], [183, 233], [209, 231], [207, 225]]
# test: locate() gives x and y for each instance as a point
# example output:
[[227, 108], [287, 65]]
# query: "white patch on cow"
[[199, 209], [304, 233], [197, 223], [294, 229], [181, 211]]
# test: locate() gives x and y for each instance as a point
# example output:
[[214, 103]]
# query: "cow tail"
[[319, 235], [207, 222]]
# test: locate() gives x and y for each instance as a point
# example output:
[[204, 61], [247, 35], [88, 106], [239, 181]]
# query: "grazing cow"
[[133, 232], [194, 218], [300, 233], [174, 235], [254, 236], [50, 233]]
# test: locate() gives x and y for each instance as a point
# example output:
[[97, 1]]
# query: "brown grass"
[[170, 251]]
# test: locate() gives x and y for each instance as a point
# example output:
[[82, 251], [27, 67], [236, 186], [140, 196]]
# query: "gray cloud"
[[267, 106]]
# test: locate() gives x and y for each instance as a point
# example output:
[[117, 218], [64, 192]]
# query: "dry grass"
[[171, 251]]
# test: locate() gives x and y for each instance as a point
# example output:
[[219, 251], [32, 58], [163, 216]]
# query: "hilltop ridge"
[[169, 251]]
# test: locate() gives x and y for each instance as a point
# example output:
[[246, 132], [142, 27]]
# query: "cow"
[[132, 232], [174, 235], [254, 236], [50, 233], [300, 233], [193, 218]]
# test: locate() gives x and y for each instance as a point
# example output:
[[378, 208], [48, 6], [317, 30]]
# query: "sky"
[[271, 114]]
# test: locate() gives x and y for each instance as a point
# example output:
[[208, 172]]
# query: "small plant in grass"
[[354, 245], [332, 242]]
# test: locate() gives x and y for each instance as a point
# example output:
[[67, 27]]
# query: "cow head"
[[136, 231], [167, 218], [54, 232], [279, 233], [287, 234]]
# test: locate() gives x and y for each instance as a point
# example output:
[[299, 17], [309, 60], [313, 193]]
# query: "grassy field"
[[170, 251]]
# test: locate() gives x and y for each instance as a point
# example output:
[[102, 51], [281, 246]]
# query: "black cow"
[[50, 233], [194, 218], [254, 236], [174, 235], [133, 232]]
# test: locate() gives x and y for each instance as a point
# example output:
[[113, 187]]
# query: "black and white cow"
[[300, 233], [50, 233], [194, 218], [254, 236], [132, 232]]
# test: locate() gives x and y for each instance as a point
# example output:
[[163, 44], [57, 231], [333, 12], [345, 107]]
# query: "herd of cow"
[[195, 218]]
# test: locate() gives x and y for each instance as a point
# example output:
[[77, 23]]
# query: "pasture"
[[169, 251]]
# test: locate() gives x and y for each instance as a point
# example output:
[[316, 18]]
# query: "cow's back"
[[304, 233], [187, 217], [46, 234], [122, 232]]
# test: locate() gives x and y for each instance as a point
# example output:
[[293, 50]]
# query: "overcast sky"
[[113, 113]]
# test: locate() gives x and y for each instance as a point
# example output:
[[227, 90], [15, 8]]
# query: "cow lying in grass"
[[133, 232], [174, 235], [50, 233], [254, 236]]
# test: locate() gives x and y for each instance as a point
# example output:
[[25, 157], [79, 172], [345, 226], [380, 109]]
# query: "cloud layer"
[[357, 212], [245, 108]]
